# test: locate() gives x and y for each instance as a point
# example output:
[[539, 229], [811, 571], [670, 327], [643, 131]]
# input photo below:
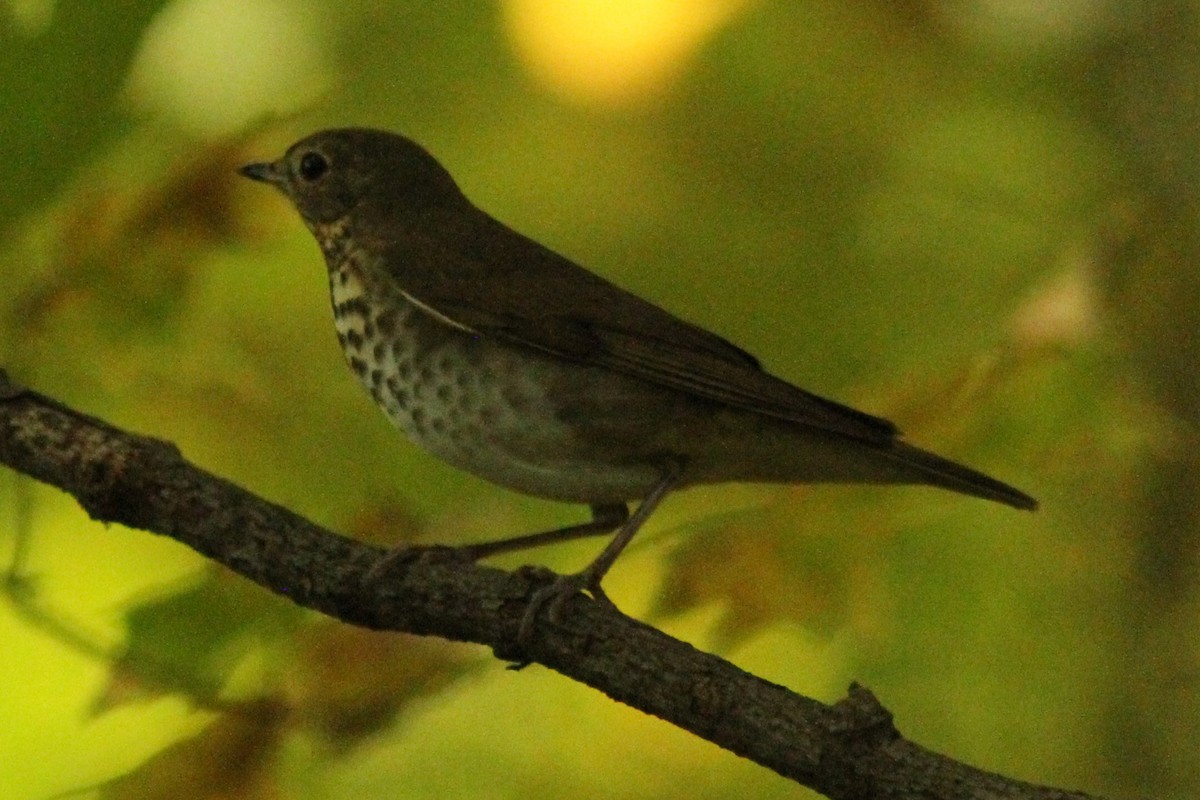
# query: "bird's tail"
[[938, 471]]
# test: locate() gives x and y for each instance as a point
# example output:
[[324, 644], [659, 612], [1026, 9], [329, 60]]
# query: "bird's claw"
[[406, 554], [553, 596]]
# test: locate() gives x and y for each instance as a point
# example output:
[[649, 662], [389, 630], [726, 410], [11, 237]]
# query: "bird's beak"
[[266, 173]]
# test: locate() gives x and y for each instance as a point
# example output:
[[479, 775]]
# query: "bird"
[[514, 363]]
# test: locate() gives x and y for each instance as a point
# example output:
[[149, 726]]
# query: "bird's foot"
[[553, 598], [397, 557]]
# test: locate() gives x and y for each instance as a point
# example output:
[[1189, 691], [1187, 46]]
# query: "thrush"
[[513, 363]]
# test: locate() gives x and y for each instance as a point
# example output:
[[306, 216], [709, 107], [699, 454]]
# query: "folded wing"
[[547, 302]]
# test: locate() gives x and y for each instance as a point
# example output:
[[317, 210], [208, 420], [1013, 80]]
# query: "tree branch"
[[848, 750]]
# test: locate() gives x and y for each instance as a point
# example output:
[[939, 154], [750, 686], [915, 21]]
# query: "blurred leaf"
[[229, 760], [191, 641], [761, 570], [352, 683]]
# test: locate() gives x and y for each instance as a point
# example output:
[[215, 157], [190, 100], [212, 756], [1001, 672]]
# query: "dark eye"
[[312, 166]]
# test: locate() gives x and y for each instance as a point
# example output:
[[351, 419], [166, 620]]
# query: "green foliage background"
[[976, 220]]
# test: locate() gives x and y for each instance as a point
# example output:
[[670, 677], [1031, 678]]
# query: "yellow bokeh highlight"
[[612, 52]]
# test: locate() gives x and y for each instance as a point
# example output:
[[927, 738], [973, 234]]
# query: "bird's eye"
[[313, 165]]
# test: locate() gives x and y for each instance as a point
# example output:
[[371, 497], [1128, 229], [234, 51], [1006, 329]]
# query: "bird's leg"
[[588, 579], [606, 517]]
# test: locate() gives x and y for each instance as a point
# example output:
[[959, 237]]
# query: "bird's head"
[[346, 172]]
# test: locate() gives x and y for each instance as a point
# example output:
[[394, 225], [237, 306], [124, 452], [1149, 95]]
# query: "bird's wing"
[[488, 279]]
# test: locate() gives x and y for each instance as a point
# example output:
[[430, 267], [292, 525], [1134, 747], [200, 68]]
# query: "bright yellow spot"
[[612, 52], [213, 66]]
